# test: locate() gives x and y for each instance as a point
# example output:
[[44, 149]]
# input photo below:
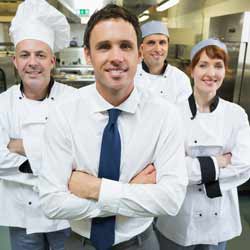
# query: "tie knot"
[[113, 115]]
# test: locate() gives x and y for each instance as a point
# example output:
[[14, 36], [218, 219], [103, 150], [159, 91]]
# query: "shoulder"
[[8, 96], [179, 73], [232, 110], [155, 103]]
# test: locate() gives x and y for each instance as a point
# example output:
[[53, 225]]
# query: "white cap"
[[204, 43], [154, 27], [36, 19]]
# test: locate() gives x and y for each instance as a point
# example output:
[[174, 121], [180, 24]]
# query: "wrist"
[[95, 189]]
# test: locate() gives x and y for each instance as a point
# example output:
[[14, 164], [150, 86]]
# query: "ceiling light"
[[167, 5], [143, 18]]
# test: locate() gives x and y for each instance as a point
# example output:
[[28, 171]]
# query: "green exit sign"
[[83, 12]]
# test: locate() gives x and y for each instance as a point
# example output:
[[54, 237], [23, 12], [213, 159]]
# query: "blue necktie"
[[103, 229]]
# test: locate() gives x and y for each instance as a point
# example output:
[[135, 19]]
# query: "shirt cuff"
[[216, 167], [110, 194]]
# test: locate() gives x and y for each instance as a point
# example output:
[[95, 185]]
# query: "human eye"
[[163, 42], [219, 66], [202, 65], [103, 46], [23, 55], [41, 56], [151, 43], [126, 45]]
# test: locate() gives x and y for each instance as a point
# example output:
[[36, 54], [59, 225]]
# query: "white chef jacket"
[[23, 118], [150, 131], [203, 220], [173, 84]]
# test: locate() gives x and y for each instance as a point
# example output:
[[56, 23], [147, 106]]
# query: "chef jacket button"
[[161, 91], [215, 214], [165, 76], [195, 141], [200, 215], [46, 118], [30, 202], [20, 98], [200, 189], [52, 98], [140, 74]]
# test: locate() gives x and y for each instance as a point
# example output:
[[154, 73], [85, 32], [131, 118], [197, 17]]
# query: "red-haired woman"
[[217, 145]]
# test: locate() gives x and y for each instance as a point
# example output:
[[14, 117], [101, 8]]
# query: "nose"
[[157, 46], [116, 55], [32, 60], [211, 71]]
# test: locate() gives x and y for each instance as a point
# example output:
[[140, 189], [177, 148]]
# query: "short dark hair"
[[108, 12]]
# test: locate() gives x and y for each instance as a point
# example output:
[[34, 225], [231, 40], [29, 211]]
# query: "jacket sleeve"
[[9, 162], [57, 165], [185, 89], [164, 197], [238, 171]]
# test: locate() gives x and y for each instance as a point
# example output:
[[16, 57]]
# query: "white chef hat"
[[204, 43], [36, 19], [154, 27]]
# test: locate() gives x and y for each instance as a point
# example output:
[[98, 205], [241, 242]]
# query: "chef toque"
[[154, 27], [208, 42], [36, 19]]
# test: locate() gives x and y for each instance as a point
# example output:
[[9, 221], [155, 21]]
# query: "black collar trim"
[[51, 83], [193, 108], [146, 69]]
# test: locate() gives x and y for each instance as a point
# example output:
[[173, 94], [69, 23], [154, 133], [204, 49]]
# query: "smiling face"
[[154, 50], [208, 74], [34, 61], [114, 55]]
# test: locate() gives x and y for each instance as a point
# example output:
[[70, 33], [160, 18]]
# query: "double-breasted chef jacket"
[[23, 118], [211, 216], [173, 84]]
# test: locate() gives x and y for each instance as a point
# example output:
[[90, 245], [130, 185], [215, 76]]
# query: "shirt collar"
[[129, 105], [51, 83], [146, 69], [193, 106]]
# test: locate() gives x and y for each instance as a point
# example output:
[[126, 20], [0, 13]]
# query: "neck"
[[155, 69], [35, 92], [113, 96], [203, 100]]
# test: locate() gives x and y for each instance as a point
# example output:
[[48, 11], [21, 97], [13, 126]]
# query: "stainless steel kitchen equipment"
[[7, 70], [234, 30], [72, 69]]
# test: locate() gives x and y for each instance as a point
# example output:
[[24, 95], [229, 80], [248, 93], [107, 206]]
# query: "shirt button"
[[195, 141], [200, 189], [161, 91], [165, 76], [141, 74], [215, 214], [52, 98], [46, 118], [200, 215], [20, 98], [30, 202]]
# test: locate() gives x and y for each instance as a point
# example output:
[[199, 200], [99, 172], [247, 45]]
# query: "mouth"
[[116, 72], [210, 83], [33, 73]]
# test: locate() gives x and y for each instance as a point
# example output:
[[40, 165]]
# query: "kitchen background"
[[188, 21]]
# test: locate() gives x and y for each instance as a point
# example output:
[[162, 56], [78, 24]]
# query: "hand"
[[224, 160], [84, 185], [146, 176], [16, 146]]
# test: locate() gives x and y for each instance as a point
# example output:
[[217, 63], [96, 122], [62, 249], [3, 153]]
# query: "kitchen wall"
[[195, 15]]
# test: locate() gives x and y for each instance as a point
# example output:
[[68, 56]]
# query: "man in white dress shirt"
[[147, 131], [155, 73], [37, 31]]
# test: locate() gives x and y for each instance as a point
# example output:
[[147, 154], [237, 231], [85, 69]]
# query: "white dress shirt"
[[150, 132], [203, 220], [173, 85], [23, 118]]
